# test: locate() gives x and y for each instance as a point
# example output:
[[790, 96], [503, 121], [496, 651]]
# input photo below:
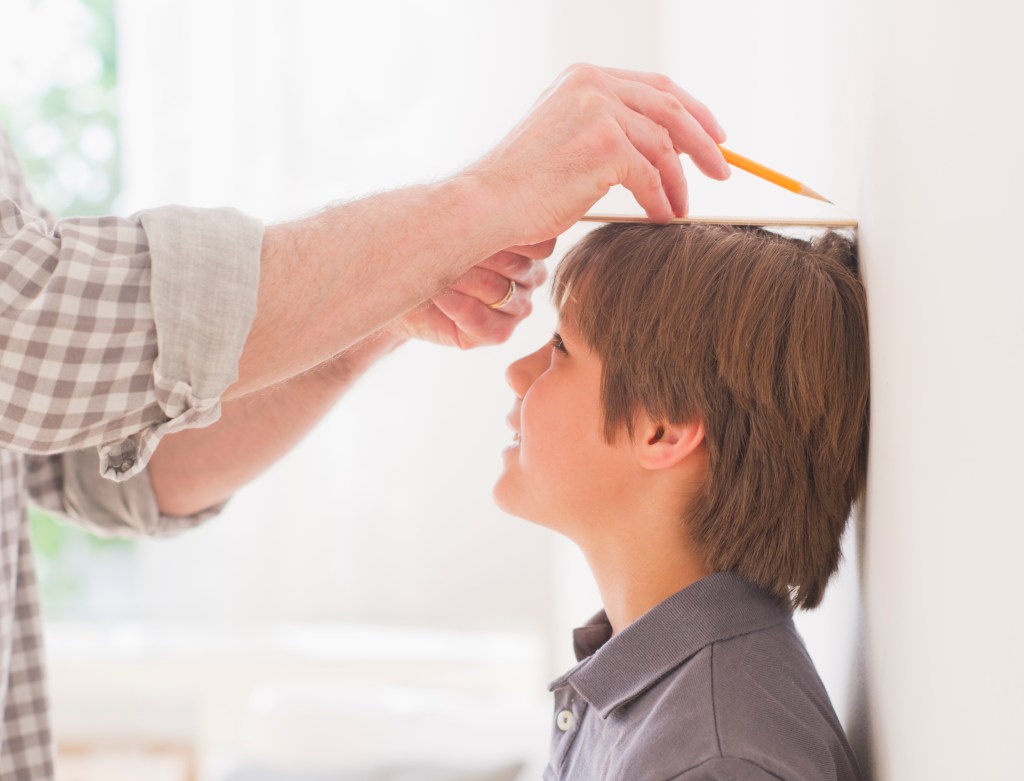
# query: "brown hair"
[[765, 339]]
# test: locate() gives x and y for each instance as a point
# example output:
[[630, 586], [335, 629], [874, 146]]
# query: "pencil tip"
[[805, 190]]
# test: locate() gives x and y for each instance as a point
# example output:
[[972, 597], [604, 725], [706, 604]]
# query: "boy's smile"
[[559, 467]]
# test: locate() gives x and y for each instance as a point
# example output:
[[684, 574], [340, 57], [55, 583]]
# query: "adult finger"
[[489, 287], [476, 323], [535, 251], [654, 142], [663, 83], [684, 197], [686, 133], [526, 272], [438, 325], [638, 175]]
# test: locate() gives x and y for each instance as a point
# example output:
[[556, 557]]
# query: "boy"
[[698, 426]]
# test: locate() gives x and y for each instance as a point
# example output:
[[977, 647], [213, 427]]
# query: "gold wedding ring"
[[508, 296]]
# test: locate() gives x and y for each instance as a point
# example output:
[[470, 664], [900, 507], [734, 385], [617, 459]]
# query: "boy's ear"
[[663, 445]]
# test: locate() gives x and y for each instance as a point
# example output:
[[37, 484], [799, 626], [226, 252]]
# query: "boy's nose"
[[521, 374]]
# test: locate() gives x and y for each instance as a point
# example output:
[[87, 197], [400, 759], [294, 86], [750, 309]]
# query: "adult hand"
[[461, 315], [592, 129]]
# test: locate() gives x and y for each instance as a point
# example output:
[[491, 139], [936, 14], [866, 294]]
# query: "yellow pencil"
[[764, 172]]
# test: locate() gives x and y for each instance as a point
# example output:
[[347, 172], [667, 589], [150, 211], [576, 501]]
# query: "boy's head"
[[719, 371]]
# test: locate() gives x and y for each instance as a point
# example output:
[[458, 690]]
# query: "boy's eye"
[[558, 344]]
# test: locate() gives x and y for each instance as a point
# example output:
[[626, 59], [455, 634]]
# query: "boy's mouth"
[[514, 444], [513, 423]]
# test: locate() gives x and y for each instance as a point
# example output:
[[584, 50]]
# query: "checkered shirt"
[[113, 332]]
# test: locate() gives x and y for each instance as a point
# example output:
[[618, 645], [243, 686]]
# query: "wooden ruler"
[[753, 221]]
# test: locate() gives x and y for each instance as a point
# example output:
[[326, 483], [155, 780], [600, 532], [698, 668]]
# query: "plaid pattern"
[[87, 389], [26, 752]]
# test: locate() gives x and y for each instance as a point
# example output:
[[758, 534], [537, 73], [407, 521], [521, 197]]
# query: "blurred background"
[[367, 574], [362, 610]]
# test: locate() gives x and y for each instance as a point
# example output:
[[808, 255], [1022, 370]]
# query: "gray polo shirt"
[[713, 683]]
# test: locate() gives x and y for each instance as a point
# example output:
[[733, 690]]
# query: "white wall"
[[940, 210]]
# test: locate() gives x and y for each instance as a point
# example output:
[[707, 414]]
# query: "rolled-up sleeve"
[[115, 332], [203, 290], [112, 338]]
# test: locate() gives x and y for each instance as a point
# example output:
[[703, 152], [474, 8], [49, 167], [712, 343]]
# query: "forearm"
[[331, 279], [198, 468]]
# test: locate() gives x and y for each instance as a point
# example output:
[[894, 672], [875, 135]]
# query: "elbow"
[[178, 494], [181, 502]]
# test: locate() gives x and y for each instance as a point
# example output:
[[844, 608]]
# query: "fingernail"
[[726, 170]]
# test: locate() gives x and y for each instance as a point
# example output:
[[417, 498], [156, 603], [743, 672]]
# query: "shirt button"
[[127, 464], [565, 720]]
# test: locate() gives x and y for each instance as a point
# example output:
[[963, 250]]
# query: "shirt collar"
[[614, 670]]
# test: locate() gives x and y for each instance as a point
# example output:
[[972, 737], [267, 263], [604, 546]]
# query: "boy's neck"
[[640, 570]]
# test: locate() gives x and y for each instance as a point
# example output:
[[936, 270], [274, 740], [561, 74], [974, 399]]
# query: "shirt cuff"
[[205, 267]]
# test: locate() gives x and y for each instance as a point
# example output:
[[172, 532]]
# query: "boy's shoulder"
[[713, 682]]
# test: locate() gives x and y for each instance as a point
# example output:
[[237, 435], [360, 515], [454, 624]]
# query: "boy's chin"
[[507, 499], [510, 503], [501, 494]]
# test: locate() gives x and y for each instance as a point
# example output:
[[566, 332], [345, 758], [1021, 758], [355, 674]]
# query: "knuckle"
[[592, 104], [581, 74], [672, 104], [663, 82]]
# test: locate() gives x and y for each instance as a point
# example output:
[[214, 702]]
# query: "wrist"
[[477, 201]]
